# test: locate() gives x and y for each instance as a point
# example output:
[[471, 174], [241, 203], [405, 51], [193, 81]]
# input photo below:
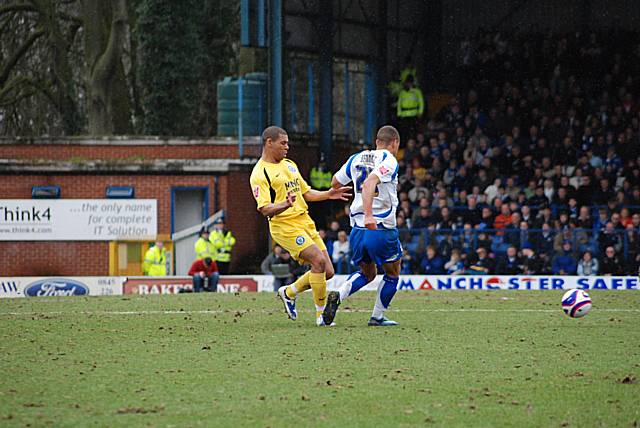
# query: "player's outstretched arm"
[[368, 191], [342, 193], [335, 184], [272, 210]]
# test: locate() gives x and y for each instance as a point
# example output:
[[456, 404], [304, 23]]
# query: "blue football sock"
[[354, 283], [386, 290]]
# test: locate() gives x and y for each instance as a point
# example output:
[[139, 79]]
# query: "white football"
[[576, 303]]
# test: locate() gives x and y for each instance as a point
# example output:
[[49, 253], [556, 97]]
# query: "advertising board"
[[503, 282], [78, 219], [174, 285], [27, 286]]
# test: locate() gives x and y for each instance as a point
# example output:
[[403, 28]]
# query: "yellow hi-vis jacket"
[[204, 248], [410, 103], [320, 180], [223, 244], [155, 262]]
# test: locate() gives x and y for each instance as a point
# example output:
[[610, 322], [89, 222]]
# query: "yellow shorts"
[[296, 234]]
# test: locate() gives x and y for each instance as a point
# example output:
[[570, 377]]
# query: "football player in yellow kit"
[[282, 195]]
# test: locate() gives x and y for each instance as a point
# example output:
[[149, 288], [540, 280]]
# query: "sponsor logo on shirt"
[[292, 185], [256, 192], [384, 170], [292, 169]]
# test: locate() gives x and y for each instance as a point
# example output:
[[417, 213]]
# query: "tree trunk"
[[108, 104], [62, 91]]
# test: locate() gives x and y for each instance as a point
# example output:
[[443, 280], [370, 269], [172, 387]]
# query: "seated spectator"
[[284, 269], [408, 264], [344, 220], [530, 263], [455, 265], [510, 263], [584, 220], [513, 231], [526, 215], [493, 190], [563, 222], [587, 266], [561, 237], [403, 230], [545, 215], [625, 217], [472, 214], [511, 190], [418, 192], [341, 253], [503, 219], [410, 152], [424, 203], [446, 245], [610, 263], [481, 264], [445, 221], [486, 220], [538, 199], [407, 212], [423, 220], [467, 240], [332, 233], [543, 240], [632, 239], [617, 223], [205, 275], [563, 262], [484, 240], [323, 235], [603, 194], [603, 218], [432, 263], [609, 237]]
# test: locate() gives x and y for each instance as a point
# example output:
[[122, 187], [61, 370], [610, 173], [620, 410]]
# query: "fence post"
[[240, 118]]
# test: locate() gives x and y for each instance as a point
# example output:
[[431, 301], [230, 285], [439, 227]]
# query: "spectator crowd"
[[534, 168]]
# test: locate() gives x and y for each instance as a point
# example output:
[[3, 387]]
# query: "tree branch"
[[16, 99], [68, 17], [13, 59], [18, 7], [12, 84]]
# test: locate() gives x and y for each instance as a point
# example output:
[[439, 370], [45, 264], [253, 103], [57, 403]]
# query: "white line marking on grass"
[[233, 311]]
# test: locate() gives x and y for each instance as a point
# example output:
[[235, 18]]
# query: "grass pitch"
[[466, 358]]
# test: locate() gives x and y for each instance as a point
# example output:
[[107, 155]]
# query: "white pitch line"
[[233, 311]]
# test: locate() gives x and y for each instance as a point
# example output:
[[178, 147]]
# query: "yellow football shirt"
[[270, 183]]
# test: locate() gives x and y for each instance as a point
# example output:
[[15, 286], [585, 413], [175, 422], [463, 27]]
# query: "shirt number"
[[362, 174]]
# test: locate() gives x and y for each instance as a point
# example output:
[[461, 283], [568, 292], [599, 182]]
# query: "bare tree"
[[42, 61]]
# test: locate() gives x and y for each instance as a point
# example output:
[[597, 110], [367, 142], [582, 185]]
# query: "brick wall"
[[92, 258], [79, 152], [249, 226], [77, 258], [54, 258], [151, 148]]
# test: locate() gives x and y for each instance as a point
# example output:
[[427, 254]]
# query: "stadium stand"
[[540, 148]]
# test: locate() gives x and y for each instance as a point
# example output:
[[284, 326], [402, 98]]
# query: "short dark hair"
[[387, 134], [207, 261], [272, 132]]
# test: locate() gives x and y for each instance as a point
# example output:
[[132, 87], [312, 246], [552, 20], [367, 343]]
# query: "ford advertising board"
[[26, 286]]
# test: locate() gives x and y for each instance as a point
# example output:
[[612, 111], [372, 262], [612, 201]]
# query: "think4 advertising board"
[[78, 219]]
